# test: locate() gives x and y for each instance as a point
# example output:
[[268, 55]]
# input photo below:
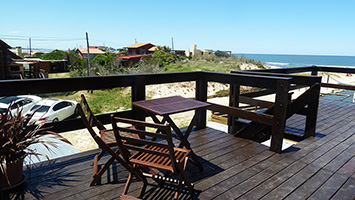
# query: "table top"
[[169, 105]]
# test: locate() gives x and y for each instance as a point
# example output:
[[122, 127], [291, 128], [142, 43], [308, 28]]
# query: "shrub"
[[219, 53]]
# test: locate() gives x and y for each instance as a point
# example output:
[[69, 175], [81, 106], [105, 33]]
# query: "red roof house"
[[131, 59], [83, 52], [139, 48]]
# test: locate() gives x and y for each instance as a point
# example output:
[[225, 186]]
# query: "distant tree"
[[219, 53], [105, 64], [76, 65], [163, 58], [38, 54], [103, 59], [55, 55], [75, 62]]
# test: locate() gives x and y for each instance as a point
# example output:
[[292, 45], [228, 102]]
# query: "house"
[[131, 59], [180, 52], [7, 69], [50, 65], [93, 51], [139, 48], [195, 51]]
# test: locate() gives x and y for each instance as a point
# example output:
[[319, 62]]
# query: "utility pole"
[[172, 44], [135, 40], [88, 54], [30, 47]]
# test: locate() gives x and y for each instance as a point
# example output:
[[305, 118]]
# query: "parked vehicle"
[[52, 110], [21, 103]]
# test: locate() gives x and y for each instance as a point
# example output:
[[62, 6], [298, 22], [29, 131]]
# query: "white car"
[[52, 110], [18, 103]]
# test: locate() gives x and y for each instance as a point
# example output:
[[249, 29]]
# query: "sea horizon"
[[295, 60]]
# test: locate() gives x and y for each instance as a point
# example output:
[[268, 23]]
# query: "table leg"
[[183, 139]]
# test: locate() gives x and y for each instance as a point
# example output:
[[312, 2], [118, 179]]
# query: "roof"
[[91, 51], [132, 56], [23, 62], [40, 60], [4, 44], [137, 45], [154, 48]]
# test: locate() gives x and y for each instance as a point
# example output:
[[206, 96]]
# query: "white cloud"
[[14, 32]]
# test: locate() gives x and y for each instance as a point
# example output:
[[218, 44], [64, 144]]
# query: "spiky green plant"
[[17, 134]]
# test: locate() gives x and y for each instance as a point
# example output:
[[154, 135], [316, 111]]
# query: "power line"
[[37, 39]]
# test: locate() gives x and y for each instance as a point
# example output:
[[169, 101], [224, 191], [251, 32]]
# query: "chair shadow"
[[167, 191], [299, 132]]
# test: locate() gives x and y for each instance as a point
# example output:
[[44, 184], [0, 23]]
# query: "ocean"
[[309, 60], [301, 60]]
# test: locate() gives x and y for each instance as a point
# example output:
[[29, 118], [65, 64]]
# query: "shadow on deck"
[[320, 167]]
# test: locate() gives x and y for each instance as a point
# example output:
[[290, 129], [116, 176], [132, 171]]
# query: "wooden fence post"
[[280, 111], [314, 71], [201, 95], [138, 93], [312, 112], [233, 102]]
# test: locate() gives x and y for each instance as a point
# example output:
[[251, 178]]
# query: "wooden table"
[[172, 105]]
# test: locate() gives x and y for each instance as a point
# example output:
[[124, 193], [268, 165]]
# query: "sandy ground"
[[82, 140]]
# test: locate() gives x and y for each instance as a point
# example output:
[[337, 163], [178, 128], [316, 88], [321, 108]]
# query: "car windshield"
[[8, 100], [41, 109]]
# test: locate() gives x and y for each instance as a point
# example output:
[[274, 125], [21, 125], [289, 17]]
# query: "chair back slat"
[[140, 123], [143, 133], [90, 121], [144, 144]]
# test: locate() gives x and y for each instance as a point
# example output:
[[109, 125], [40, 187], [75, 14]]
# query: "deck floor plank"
[[320, 167]]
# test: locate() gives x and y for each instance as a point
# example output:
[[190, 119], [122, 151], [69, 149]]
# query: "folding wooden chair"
[[105, 140], [148, 153]]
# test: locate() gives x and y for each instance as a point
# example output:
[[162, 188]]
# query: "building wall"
[[4, 64], [141, 50], [45, 66]]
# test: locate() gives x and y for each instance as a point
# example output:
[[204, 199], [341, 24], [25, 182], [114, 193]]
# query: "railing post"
[[138, 93], [201, 95], [312, 112], [233, 102], [314, 71], [280, 111]]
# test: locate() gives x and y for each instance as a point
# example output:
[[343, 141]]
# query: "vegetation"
[[103, 101], [219, 53], [75, 64], [208, 63], [105, 64]]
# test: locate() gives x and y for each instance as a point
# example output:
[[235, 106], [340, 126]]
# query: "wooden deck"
[[316, 168]]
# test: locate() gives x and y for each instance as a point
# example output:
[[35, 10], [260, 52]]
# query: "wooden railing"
[[280, 84], [314, 71]]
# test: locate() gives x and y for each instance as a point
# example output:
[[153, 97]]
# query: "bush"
[[219, 53]]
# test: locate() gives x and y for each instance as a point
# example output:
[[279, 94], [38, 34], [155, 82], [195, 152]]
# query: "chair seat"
[[108, 136], [160, 162]]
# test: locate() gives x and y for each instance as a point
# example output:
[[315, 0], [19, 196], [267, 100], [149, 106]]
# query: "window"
[[18, 104], [28, 101], [42, 108], [61, 105]]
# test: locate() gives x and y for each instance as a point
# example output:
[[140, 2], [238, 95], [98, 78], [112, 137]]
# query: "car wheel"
[[76, 112], [55, 120]]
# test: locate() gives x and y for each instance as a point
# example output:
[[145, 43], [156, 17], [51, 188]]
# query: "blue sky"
[[255, 26]]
